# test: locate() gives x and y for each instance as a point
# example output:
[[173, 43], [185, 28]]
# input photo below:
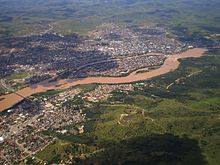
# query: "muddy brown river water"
[[170, 64]]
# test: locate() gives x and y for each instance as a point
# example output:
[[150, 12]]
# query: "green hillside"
[[156, 125]]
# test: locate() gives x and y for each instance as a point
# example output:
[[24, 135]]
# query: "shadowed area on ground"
[[153, 149]]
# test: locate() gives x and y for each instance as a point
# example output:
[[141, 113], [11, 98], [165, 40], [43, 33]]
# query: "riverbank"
[[170, 64]]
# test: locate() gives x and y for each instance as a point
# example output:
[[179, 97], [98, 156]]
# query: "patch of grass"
[[47, 93], [18, 76], [58, 147], [87, 88]]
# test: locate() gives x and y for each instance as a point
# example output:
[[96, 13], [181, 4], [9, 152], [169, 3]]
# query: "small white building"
[[1, 139]]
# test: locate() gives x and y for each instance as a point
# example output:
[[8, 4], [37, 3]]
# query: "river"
[[170, 64]]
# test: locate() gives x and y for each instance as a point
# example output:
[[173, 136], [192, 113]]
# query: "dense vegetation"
[[155, 125]]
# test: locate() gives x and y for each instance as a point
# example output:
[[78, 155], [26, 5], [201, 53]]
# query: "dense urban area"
[[109, 51]]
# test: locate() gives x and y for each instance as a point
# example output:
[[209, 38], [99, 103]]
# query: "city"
[[108, 51], [105, 52]]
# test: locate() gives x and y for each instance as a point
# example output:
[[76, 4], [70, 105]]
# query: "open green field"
[[156, 125]]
